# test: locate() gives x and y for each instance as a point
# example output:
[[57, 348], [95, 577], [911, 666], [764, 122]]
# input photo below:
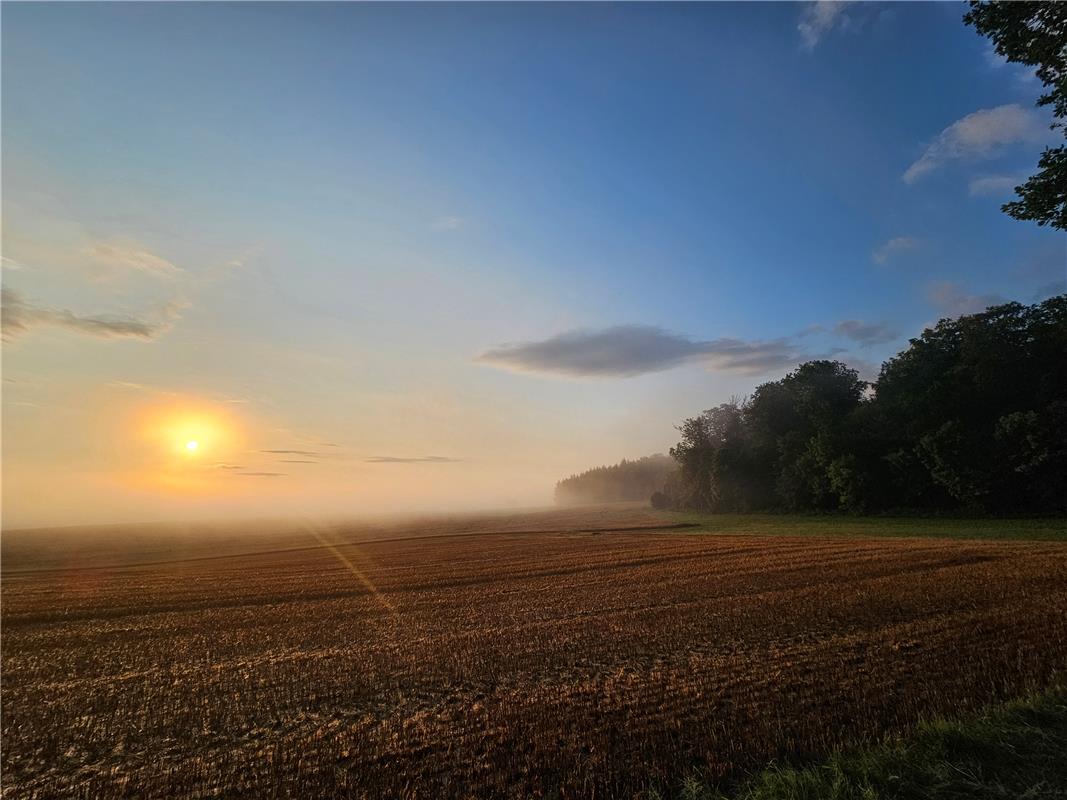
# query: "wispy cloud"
[[261, 474], [979, 135], [133, 386], [1023, 74], [866, 334], [296, 461], [442, 224], [898, 244], [752, 357], [291, 452], [19, 317], [1051, 289], [242, 259], [412, 460], [628, 350], [11, 264], [993, 59], [1046, 268], [951, 299], [818, 19], [994, 184], [132, 257]]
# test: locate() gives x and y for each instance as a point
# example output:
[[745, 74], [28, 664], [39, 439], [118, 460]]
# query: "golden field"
[[581, 653]]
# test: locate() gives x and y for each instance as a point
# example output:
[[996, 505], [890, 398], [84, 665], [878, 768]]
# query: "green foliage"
[[1014, 751], [957, 461], [627, 480], [1043, 198], [1034, 34], [972, 417], [713, 461]]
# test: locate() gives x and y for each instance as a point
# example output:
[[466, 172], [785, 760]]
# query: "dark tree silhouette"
[[1034, 34], [971, 416]]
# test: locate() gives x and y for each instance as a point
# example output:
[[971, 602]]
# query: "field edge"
[[1014, 749]]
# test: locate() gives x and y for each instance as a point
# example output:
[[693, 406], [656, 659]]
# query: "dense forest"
[[627, 480], [971, 417]]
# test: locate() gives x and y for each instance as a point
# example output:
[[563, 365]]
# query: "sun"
[[187, 432], [184, 441]]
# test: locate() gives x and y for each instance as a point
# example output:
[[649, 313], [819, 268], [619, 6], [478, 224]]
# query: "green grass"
[[1016, 751], [1048, 529]]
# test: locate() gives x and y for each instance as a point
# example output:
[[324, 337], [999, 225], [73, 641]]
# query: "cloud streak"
[[866, 334], [442, 224], [978, 135], [133, 258], [952, 300], [888, 250], [818, 19], [994, 185], [628, 350], [413, 460], [20, 317]]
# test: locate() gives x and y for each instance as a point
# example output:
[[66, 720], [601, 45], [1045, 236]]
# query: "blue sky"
[[528, 237]]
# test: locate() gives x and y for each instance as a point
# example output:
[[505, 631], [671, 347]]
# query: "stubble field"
[[587, 653]]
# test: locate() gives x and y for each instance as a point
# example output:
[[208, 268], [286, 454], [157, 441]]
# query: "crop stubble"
[[505, 663]]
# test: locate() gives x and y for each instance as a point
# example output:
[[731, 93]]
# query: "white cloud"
[[819, 18], [131, 257], [978, 135], [993, 59], [1023, 74], [994, 184], [897, 244]]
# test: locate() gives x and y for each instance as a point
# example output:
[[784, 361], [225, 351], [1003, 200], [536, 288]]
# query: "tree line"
[[971, 416], [627, 480]]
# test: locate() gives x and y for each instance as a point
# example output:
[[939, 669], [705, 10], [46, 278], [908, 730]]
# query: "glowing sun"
[[184, 443], [189, 431]]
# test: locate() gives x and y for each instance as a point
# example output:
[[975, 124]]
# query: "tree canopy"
[[1034, 34], [971, 416]]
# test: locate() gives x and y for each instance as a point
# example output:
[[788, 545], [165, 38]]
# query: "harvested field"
[[495, 656]]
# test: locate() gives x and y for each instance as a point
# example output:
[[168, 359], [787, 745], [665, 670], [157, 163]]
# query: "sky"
[[330, 259]]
